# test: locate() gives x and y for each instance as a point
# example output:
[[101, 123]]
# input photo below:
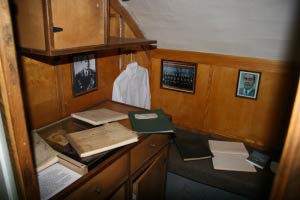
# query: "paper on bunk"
[[230, 156], [100, 139], [226, 147], [99, 116], [232, 162]]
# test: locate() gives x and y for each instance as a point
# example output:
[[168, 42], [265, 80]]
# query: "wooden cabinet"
[[145, 150], [59, 27], [151, 183], [104, 183], [136, 169]]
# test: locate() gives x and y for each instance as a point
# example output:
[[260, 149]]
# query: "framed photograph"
[[248, 84], [84, 76], [178, 76]]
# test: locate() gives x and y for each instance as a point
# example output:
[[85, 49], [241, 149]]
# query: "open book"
[[44, 155], [53, 169], [99, 116], [230, 156], [100, 139]]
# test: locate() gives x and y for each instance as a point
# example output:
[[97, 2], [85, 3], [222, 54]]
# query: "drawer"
[[146, 149], [103, 184]]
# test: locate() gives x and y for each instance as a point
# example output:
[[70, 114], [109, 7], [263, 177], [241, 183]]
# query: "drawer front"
[[103, 184], [146, 149]]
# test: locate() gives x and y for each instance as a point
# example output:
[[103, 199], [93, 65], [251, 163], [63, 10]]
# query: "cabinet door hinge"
[[57, 29]]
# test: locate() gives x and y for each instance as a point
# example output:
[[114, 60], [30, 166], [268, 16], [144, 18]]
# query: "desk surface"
[[252, 185]]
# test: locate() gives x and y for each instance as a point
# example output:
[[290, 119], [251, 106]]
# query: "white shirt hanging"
[[132, 86]]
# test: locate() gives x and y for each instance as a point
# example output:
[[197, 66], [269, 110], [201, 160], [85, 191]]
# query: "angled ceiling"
[[255, 28]]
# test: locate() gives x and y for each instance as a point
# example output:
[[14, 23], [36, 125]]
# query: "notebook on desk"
[[150, 121]]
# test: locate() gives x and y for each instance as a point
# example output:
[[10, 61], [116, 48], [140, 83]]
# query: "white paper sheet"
[[54, 179]]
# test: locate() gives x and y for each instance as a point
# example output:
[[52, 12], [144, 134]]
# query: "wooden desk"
[[139, 167]]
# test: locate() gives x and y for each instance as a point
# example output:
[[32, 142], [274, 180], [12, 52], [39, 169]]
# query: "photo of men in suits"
[[248, 84], [84, 74]]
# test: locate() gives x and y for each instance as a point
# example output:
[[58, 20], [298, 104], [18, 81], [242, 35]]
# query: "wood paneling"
[[214, 108], [107, 69], [84, 24], [287, 181], [41, 91], [31, 34]]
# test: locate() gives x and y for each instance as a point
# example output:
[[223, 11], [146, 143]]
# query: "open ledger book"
[[100, 139], [53, 175]]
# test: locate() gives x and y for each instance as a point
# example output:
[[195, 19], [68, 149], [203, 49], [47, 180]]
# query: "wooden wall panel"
[[30, 34], [214, 108], [187, 110], [107, 72], [40, 89]]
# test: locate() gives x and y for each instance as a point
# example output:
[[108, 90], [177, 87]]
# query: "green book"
[[150, 121]]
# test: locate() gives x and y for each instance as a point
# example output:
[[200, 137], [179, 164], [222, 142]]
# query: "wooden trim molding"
[[115, 4], [223, 60], [13, 110], [287, 181]]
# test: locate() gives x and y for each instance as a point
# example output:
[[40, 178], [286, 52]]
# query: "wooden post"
[[12, 110], [287, 181]]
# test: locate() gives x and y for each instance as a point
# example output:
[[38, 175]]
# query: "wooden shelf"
[[114, 43]]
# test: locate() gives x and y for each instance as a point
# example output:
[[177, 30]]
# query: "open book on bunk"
[[99, 116], [100, 139], [230, 156], [150, 121]]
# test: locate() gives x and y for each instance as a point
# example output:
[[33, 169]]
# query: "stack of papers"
[[230, 156]]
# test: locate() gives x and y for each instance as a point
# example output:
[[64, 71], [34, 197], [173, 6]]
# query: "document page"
[[54, 179]]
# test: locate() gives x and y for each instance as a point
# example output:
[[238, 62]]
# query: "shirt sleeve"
[[116, 93], [148, 94]]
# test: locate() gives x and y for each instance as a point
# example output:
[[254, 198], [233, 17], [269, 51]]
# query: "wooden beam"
[[287, 180], [13, 111]]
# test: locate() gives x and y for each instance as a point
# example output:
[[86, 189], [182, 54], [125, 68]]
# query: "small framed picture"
[[178, 76], [248, 84], [84, 76]]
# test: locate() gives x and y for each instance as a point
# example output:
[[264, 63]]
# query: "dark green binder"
[[160, 124]]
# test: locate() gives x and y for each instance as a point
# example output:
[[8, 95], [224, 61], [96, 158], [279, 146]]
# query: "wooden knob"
[[153, 145], [97, 190]]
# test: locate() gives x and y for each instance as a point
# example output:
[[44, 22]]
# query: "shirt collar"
[[132, 68]]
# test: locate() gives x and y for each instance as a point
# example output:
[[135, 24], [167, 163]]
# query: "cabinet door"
[[83, 22], [105, 183], [151, 184]]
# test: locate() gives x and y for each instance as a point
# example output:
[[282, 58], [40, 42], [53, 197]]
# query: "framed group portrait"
[[84, 74], [248, 84], [178, 76]]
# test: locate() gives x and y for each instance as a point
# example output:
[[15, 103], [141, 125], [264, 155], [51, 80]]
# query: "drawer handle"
[[97, 190], [153, 145]]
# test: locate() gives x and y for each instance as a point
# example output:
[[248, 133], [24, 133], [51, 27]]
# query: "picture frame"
[[248, 84], [84, 74], [178, 76]]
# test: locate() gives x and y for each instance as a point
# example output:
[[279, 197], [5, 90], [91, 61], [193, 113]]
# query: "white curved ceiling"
[[251, 28]]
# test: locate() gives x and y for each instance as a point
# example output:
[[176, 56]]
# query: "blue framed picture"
[[248, 84]]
